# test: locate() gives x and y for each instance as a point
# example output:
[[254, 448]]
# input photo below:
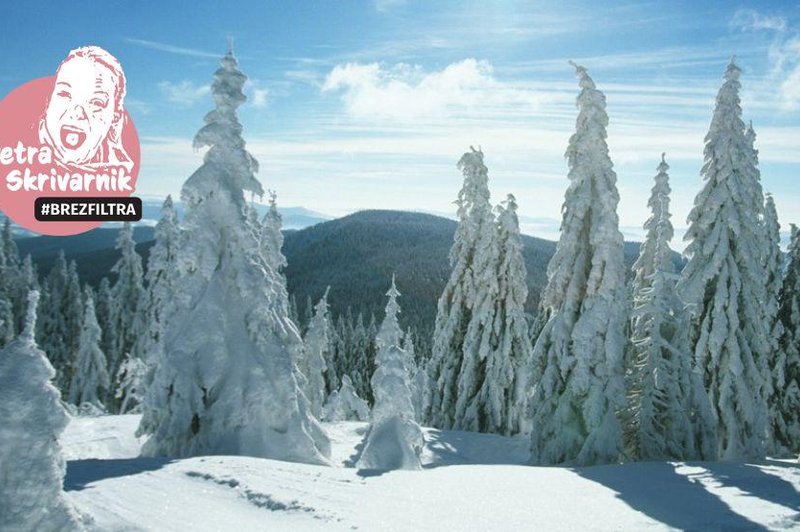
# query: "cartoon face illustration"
[[84, 117]]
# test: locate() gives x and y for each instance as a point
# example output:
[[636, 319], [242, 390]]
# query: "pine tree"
[[774, 280], [660, 396], [227, 382], [358, 357], [723, 283], [131, 384], [315, 356], [785, 402], [127, 295], [161, 266], [90, 381], [33, 467], [103, 310], [26, 281], [394, 440], [345, 404], [579, 354], [271, 236], [503, 395], [62, 315], [464, 314], [390, 332]]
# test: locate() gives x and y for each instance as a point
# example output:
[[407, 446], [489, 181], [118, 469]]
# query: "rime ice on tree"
[[313, 361], [90, 381], [394, 440], [227, 382], [662, 384], [464, 316], [724, 283], [786, 399], [345, 404], [579, 354], [33, 469]]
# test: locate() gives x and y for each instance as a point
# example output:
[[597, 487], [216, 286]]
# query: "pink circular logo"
[[67, 136]]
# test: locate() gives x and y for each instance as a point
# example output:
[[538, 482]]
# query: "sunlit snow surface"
[[471, 482]]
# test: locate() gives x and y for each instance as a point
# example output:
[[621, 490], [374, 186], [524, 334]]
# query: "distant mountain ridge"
[[355, 255]]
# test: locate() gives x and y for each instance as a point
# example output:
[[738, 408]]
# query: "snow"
[[471, 481]]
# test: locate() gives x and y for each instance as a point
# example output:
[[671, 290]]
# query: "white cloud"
[[257, 95], [750, 19], [407, 92], [784, 52], [184, 92]]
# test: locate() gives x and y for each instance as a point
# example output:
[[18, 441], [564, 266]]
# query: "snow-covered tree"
[[271, 236], [59, 328], [90, 380], [127, 295], [502, 399], [465, 310], [6, 321], [773, 262], [345, 404], [394, 440], [313, 364], [160, 284], [785, 401], [390, 332], [661, 403], [418, 384], [102, 305], [26, 281], [578, 356], [724, 282], [227, 381], [32, 467], [130, 384]]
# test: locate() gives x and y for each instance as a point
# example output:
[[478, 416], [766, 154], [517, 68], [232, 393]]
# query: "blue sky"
[[370, 104]]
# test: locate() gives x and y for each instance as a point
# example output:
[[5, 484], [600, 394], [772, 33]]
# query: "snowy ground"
[[471, 482]]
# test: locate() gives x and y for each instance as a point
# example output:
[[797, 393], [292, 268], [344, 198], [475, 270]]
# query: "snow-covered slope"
[[471, 482]]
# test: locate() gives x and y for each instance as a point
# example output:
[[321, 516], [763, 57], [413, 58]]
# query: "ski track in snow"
[[470, 482]]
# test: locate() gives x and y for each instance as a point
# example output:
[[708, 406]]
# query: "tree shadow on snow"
[[446, 448], [676, 500], [751, 479], [81, 473]]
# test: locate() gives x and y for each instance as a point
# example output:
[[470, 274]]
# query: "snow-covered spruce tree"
[[773, 263], [59, 326], [786, 399], [390, 332], [102, 305], [313, 365], [660, 401], [578, 356], [160, 285], [394, 440], [90, 381], [724, 282], [271, 236], [31, 465], [359, 361], [465, 312], [345, 404], [127, 295], [131, 384], [7, 320], [418, 380], [227, 381], [502, 399]]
